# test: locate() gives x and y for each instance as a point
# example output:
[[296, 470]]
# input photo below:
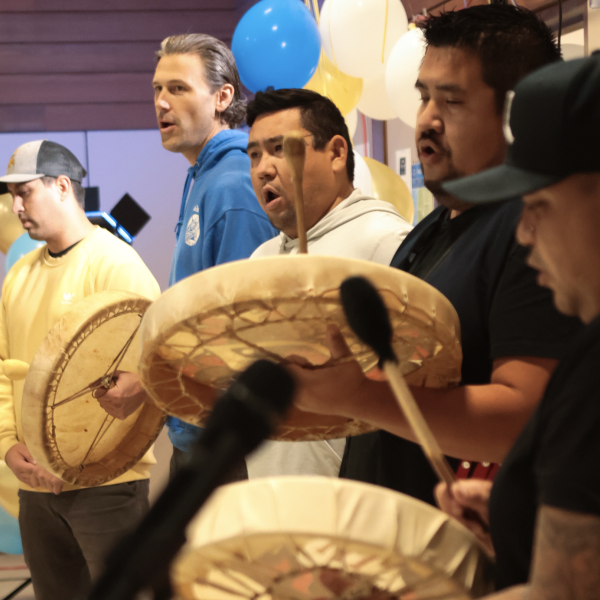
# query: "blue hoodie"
[[220, 220]]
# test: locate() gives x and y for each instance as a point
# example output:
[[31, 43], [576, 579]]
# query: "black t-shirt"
[[553, 462], [476, 263]]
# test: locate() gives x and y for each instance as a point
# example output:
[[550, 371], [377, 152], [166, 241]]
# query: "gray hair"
[[219, 68]]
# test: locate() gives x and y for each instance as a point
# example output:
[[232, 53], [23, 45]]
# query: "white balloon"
[[363, 180], [374, 101], [352, 122], [353, 33], [401, 73]]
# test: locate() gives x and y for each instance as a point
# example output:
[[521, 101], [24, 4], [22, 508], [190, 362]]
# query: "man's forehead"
[[273, 125], [179, 67], [450, 68]]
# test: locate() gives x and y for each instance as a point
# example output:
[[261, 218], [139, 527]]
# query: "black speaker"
[[130, 214], [92, 199]]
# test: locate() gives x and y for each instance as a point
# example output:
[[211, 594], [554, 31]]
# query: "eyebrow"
[[170, 82], [447, 87], [271, 140]]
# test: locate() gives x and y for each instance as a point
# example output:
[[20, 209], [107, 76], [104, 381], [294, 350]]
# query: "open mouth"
[[269, 196], [427, 150], [164, 125]]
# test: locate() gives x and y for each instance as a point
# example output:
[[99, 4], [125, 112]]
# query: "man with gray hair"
[[199, 102]]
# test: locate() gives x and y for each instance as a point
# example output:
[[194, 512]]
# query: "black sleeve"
[[523, 320], [568, 460]]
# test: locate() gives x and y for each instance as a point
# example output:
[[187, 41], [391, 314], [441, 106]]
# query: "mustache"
[[431, 135]]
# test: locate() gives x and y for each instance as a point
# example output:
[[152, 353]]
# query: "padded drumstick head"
[[368, 316]]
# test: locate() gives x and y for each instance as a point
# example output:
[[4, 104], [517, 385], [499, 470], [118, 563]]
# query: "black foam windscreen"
[[368, 316], [253, 406], [130, 215], [92, 199], [3, 188], [271, 382]]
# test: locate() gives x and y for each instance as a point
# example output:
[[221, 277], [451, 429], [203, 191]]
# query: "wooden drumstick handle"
[[417, 422], [294, 149], [425, 437]]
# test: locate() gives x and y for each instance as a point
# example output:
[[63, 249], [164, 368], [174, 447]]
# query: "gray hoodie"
[[359, 227]]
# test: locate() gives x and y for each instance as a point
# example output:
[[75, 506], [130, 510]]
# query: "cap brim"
[[15, 178], [499, 183]]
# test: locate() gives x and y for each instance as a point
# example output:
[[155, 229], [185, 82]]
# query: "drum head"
[[213, 325], [316, 538], [65, 429]]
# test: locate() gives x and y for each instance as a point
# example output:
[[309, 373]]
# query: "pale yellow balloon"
[[344, 91], [389, 186], [15, 370], [10, 226], [9, 487]]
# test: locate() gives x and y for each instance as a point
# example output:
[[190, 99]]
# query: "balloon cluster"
[[370, 39], [358, 53]]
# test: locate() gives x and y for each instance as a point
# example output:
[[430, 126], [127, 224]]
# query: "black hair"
[[318, 114], [510, 41], [78, 189]]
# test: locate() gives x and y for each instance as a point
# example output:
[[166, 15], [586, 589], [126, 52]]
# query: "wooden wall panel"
[[121, 26], [113, 5], [76, 89], [96, 57], [77, 117], [68, 65]]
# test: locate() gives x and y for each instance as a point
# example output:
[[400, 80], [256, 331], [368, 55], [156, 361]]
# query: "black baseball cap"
[[42, 158], [552, 126]]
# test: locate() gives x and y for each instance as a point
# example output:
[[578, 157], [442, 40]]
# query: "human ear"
[[339, 153], [63, 184], [224, 97]]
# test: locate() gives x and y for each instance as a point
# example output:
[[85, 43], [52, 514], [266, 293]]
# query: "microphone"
[[248, 412], [368, 317]]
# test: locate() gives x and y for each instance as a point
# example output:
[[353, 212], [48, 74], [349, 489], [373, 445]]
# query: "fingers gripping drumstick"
[[294, 149]]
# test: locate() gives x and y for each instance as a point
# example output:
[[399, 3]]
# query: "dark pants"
[[66, 538], [239, 473]]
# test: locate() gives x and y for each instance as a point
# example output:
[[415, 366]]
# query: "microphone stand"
[[142, 560]]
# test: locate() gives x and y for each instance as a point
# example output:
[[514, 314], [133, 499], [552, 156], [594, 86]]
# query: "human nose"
[[265, 169], [160, 101], [428, 117], [17, 205], [526, 229]]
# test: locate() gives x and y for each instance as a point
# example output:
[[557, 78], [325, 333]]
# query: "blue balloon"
[[276, 43], [10, 536], [20, 247]]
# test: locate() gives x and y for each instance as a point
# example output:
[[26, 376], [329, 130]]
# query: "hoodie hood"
[[353, 207], [217, 147]]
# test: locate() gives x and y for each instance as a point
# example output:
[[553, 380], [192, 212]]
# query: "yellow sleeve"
[[8, 424], [123, 269]]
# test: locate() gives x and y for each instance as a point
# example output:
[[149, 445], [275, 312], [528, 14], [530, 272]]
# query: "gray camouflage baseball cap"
[[42, 158]]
